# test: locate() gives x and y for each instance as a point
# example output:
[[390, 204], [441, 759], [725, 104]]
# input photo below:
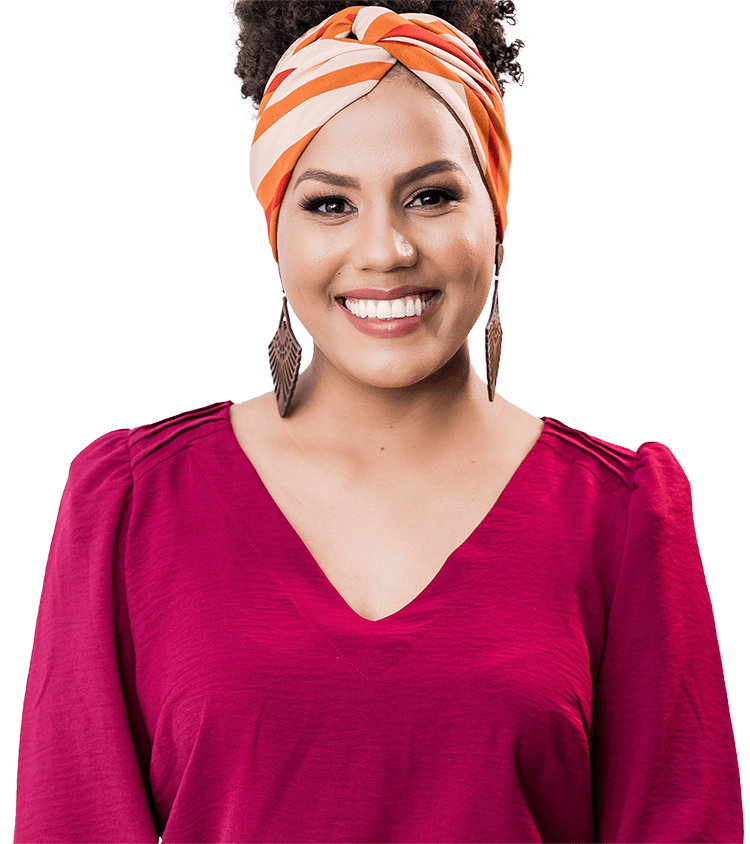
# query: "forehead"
[[399, 125]]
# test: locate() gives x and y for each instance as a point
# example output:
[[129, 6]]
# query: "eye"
[[327, 206], [433, 198]]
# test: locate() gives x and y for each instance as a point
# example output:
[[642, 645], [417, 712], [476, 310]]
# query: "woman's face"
[[386, 214]]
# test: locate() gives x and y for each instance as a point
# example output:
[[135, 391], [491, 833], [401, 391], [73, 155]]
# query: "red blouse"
[[196, 676]]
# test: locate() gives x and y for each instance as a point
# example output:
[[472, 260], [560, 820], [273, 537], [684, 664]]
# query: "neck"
[[366, 425]]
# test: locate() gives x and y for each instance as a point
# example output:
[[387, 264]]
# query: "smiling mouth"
[[388, 309]]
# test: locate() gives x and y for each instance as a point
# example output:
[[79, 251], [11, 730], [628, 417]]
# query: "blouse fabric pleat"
[[196, 676]]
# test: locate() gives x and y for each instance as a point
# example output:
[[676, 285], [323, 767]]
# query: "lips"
[[388, 318], [396, 293]]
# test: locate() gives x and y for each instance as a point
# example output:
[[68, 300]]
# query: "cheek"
[[467, 245], [308, 276], [307, 263], [468, 256]]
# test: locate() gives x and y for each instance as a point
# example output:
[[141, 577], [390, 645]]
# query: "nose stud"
[[404, 248]]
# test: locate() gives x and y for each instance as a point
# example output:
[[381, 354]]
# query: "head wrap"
[[342, 59]]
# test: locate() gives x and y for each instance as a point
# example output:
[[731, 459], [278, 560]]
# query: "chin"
[[391, 377]]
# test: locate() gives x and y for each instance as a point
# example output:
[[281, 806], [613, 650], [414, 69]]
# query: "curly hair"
[[268, 27]]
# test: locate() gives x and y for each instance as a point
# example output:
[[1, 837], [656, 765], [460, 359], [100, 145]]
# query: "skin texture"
[[379, 423], [382, 237]]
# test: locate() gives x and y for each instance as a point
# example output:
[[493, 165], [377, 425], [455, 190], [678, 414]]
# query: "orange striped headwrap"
[[344, 58]]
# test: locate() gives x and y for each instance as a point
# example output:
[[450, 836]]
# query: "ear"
[[499, 254]]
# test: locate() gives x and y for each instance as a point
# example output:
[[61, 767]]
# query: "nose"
[[381, 242]]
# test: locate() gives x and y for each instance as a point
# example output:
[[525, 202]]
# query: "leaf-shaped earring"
[[285, 355], [493, 341]]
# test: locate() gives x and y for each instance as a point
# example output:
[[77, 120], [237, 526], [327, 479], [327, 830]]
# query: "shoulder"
[[151, 444], [100, 475], [617, 468], [121, 455], [93, 507]]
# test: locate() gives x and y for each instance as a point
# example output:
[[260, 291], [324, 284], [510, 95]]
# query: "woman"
[[380, 603]]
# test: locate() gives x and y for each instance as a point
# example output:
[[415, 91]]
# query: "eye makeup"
[[313, 201]]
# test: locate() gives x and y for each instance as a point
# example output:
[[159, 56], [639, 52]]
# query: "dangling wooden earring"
[[284, 354], [493, 339]]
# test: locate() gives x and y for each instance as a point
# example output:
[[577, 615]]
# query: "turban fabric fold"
[[342, 59]]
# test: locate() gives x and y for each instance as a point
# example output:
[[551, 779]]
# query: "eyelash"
[[312, 202]]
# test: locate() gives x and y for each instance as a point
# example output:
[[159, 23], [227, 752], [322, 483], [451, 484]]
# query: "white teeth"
[[390, 308]]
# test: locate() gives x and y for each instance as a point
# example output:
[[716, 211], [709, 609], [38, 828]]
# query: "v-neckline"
[[294, 558]]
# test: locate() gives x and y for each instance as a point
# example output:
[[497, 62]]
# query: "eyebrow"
[[443, 165]]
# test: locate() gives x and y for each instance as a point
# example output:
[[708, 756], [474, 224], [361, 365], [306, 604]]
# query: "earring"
[[493, 340], [284, 354]]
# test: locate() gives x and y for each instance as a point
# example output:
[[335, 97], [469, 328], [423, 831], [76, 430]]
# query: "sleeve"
[[80, 777], [663, 756]]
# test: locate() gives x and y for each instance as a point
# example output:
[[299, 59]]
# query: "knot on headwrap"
[[342, 59]]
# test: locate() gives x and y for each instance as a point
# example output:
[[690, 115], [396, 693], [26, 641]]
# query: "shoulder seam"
[[593, 474], [123, 435], [151, 444], [130, 458], [179, 451]]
